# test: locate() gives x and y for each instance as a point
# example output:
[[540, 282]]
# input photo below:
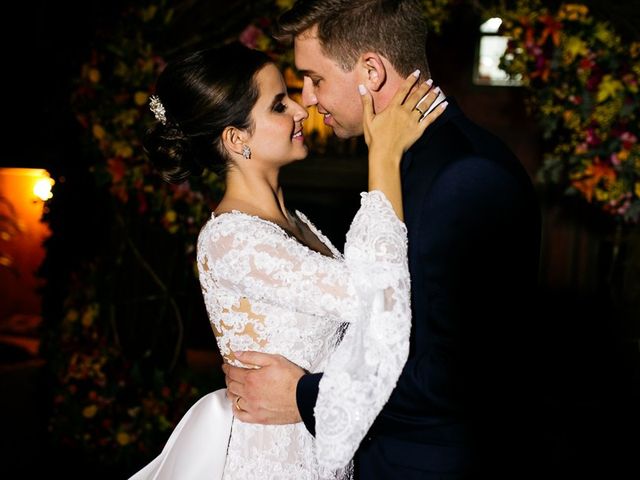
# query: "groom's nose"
[[308, 95]]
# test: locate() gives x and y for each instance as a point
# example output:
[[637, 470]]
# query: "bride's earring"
[[246, 152]]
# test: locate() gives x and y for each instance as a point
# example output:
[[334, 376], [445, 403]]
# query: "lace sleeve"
[[361, 374]]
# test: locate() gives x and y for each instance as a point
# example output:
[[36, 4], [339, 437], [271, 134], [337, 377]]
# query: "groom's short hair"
[[396, 29]]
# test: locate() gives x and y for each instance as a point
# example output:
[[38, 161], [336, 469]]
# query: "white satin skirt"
[[197, 448]]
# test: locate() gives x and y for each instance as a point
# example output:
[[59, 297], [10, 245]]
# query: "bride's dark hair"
[[202, 94]]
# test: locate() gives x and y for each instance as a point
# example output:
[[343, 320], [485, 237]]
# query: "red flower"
[[117, 168], [586, 64], [250, 35], [143, 206]]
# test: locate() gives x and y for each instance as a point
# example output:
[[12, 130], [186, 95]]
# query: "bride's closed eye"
[[279, 107]]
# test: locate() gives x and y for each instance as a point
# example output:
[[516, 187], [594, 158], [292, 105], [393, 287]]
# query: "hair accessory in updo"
[[155, 105]]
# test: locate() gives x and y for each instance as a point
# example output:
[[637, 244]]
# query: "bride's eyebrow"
[[277, 98]]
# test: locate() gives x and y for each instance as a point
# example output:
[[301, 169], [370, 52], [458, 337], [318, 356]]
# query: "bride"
[[274, 283]]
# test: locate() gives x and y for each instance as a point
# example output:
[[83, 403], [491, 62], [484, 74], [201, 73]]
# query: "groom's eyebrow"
[[306, 73]]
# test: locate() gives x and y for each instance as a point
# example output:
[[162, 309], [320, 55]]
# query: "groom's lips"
[[327, 119]]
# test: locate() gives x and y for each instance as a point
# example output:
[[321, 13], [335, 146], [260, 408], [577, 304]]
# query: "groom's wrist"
[[306, 396]]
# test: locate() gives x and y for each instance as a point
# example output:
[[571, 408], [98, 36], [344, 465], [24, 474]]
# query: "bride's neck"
[[258, 193]]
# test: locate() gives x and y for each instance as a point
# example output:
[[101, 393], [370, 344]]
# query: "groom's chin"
[[344, 134]]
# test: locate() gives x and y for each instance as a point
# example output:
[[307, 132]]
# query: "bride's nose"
[[299, 113]]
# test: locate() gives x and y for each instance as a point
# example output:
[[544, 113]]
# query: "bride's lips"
[[297, 136]]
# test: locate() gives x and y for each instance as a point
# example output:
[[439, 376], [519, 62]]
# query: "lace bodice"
[[266, 291]]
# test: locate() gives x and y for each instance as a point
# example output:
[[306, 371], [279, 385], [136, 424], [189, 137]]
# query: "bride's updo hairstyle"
[[197, 97]]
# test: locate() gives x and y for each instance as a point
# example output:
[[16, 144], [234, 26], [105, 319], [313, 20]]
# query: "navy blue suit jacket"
[[465, 403]]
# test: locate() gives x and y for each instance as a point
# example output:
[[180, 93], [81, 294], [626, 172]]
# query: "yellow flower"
[[123, 438], [284, 4], [571, 120], [94, 75], [616, 189], [623, 155], [128, 117], [121, 70], [140, 98], [602, 195], [89, 314], [575, 46], [609, 87], [170, 216], [604, 35], [90, 411], [148, 13], [122, 149], [631, 85], [98, 131], [263, 43]]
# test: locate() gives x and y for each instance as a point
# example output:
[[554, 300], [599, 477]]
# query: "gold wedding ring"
[[421, 112]]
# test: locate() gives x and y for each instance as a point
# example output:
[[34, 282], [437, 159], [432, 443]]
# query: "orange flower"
[[94, 75], [90, 411], [123, 438], [587, 181], [573, 11]]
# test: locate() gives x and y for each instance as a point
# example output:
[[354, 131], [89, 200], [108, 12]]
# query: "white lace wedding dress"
[[267, 292]]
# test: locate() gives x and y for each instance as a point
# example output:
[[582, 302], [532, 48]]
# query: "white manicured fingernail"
[[361, 89], [416, 73], [436, 90], [429, 82], [443, 105]]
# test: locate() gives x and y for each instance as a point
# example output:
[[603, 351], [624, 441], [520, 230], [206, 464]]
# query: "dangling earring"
[[246, 152]]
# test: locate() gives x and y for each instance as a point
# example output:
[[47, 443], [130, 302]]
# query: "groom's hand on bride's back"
[[264, 394]]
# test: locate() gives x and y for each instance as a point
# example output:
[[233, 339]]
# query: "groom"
[[465, 405]]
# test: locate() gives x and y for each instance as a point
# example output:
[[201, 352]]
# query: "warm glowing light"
[[491, 26], [23, 231], [42, 188]]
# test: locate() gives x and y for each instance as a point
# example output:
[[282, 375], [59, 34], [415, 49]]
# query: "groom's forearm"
[[306, 396]]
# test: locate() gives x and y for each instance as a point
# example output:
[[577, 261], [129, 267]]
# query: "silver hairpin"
[[155, 105]]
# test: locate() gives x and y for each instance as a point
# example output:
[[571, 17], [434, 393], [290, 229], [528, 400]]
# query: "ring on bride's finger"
[[238, 404], [421, 112]]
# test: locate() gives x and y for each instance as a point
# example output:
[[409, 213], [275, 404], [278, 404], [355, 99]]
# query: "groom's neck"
[[393, 82]]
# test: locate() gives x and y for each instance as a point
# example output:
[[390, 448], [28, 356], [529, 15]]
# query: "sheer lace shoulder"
[[256, 258]]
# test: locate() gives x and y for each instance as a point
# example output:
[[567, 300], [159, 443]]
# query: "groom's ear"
[[374, 70]]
